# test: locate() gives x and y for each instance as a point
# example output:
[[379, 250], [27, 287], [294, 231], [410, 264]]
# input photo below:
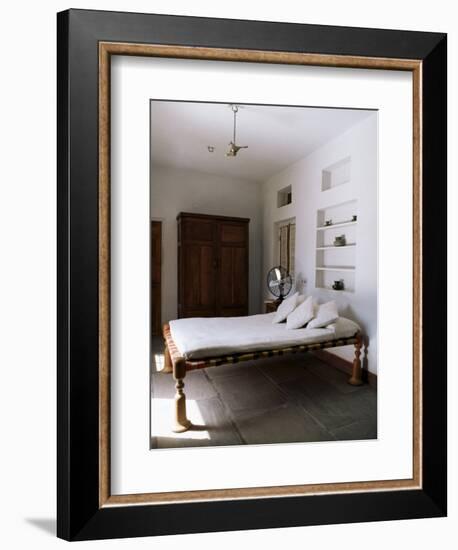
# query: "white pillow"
[[301, 299], [326, 314], [285, 308], [301, 315]]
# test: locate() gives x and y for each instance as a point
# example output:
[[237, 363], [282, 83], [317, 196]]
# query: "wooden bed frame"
[[178, 365]]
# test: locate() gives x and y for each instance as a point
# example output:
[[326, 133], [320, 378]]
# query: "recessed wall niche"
[[284, 196], [336, 247], [336, 174]]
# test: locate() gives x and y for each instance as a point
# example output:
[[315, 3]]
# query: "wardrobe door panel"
[[233, 233], [198, 279], [212, 265], [233, 281], [240, 270], [198, 230]]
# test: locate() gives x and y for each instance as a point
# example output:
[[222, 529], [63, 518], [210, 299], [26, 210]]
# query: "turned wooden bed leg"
[[181, 421], [168, 367], [356, 375]]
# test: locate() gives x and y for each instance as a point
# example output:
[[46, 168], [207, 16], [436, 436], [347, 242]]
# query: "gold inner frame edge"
[[106, 50]]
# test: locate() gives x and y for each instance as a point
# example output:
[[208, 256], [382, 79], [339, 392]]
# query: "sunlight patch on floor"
[[158, 361], [162, 420]]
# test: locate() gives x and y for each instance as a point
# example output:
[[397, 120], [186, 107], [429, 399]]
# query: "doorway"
[[285, 245], [156, 247]]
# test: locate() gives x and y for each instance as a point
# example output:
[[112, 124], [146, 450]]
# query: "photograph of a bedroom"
[[263, 274]]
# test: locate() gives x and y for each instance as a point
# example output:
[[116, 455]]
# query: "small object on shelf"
[[338, 285], [328, 222], [340, 240], [354, 218]]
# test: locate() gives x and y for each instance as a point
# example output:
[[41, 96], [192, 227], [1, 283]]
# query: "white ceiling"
[[276, 136]]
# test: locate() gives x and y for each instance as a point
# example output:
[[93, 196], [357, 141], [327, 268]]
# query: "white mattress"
[[200, 337]]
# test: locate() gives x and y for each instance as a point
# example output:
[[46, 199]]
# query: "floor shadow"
[[48, 525], [311, 399]]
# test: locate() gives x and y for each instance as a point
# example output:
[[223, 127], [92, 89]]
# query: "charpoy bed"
[[197, 343]]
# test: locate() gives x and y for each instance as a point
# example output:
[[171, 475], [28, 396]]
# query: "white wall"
[[360, 143], [174, 191]]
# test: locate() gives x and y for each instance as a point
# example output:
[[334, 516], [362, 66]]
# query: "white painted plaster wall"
[[360, 143], [174, 191]]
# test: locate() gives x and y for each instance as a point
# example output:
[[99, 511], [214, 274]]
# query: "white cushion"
[[301, 299], [301, 315], [285, 308], [325, 315]]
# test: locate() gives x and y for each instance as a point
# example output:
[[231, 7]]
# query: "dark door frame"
[[155, 327]]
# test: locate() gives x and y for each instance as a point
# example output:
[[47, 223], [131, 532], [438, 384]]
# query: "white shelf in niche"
[[329, 289], [339, 224], [332, 262], [336, 268], [325, 278], [332, 247]]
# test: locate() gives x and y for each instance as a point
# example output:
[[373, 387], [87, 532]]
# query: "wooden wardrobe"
[[212, 266]]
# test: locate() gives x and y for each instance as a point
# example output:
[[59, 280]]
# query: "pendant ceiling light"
[[233, 147]]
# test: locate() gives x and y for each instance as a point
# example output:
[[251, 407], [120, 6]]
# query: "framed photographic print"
[[252, 274]]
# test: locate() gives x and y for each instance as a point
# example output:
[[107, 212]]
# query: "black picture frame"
[[79, 515]]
